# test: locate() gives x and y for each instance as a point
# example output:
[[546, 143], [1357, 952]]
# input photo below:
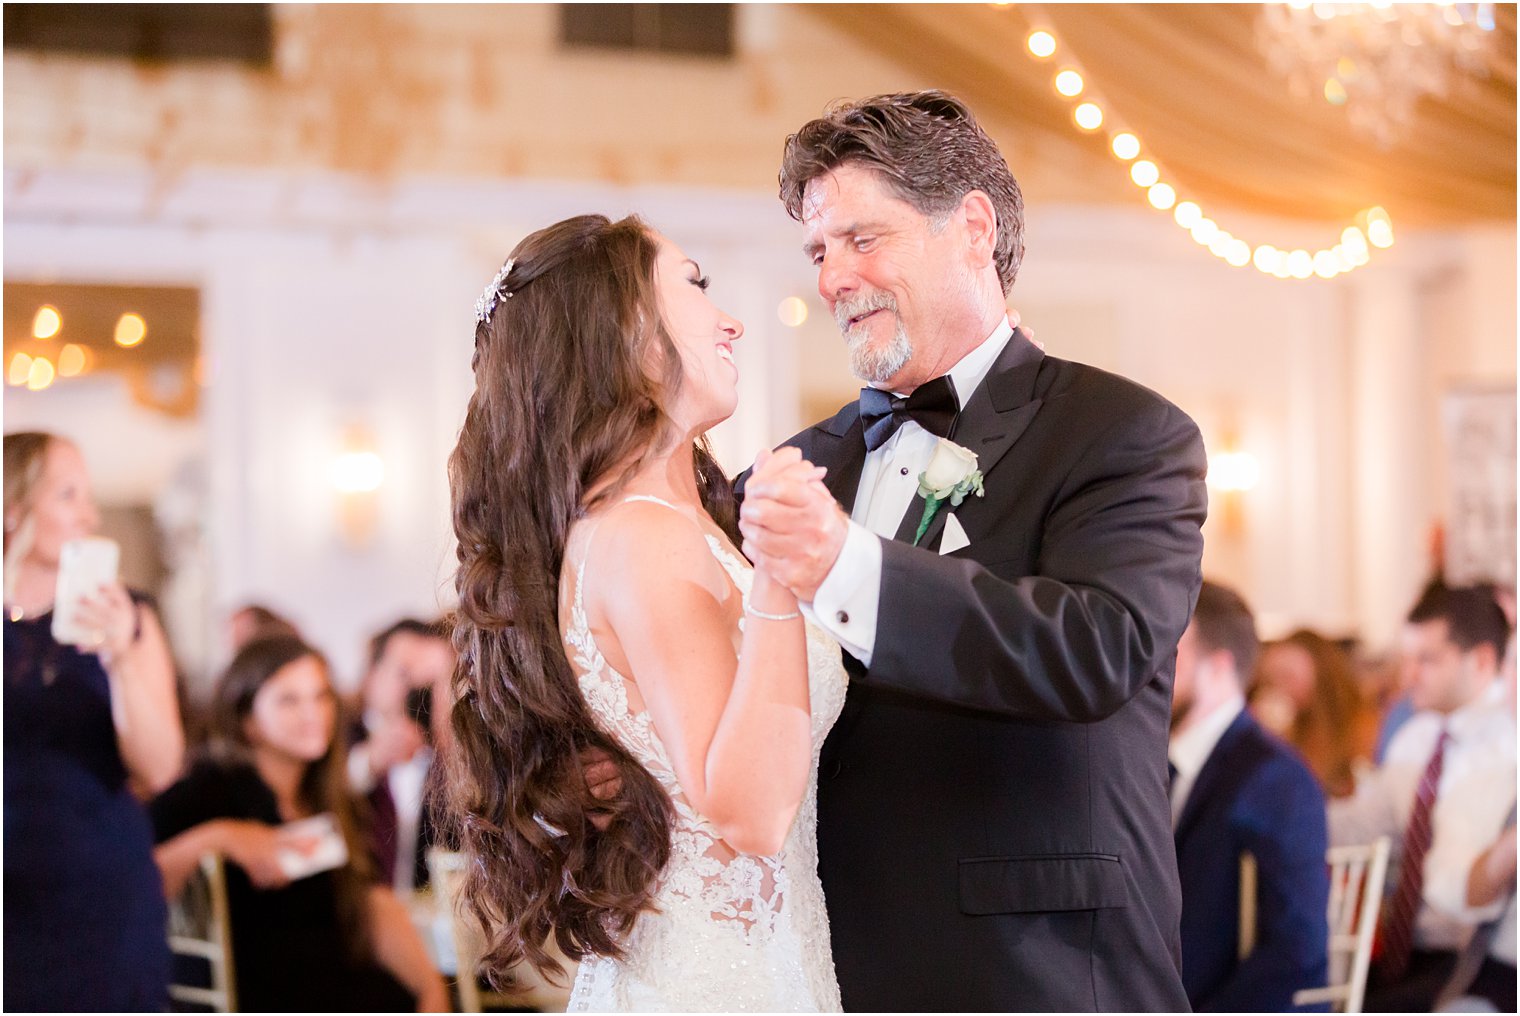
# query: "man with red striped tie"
[[1442, 795]]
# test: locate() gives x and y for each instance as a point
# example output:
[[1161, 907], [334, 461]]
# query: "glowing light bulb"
[[1379, 227], [1041, 44], [1144, 173], [1233, 471], [1266, 257], [1187, 214], [1204, 231], [131, 329], [1069, 83], [20, 370], [792, 311], [71, 360], [1088, 116], [47, 322], [1300, 264], [1324, 264], [357, 472], [41, 374], [1126, 146], [1162, 196], [1238, 254]]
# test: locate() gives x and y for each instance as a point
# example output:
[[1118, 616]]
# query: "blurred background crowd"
[[242, 245]]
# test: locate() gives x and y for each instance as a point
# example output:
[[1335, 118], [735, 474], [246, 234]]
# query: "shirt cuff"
[[847, 600]]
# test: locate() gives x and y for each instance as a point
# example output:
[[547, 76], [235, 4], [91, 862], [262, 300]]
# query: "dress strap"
[[651, 498]]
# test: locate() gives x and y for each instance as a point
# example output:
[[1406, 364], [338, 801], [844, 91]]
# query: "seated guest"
[[411, 664], [1237, 789], [335, 940], [1306, 692], [1443, 794]]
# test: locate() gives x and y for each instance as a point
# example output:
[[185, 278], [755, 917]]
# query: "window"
[[154, 33], [703, 29]]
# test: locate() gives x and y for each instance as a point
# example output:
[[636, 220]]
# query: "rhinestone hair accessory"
[[486, 305]]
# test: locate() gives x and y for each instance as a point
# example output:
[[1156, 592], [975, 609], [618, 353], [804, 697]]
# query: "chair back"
[[1246, 937], [200, 927], [446, 869], [1356, 896], [445, 873]]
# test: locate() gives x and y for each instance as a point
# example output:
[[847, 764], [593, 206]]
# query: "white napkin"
[[954, 537]]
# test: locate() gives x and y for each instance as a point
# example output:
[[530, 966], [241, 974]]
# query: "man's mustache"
[[855, 306]]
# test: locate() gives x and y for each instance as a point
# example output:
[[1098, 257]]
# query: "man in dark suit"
[[1238, 790], [411, 662], [993, 823]]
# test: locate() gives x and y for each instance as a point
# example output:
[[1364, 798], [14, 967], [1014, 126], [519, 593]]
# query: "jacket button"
[[842, 616]]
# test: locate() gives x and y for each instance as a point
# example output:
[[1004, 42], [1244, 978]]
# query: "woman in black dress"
[[85, 727], [335, 941]]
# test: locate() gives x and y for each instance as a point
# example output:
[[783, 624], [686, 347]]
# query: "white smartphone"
[[84, 566]]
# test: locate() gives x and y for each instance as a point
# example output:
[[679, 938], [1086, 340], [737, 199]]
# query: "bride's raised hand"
[[792, 527]]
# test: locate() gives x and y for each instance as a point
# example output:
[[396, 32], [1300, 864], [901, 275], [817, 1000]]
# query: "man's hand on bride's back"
[[792, 526], [603, 781]]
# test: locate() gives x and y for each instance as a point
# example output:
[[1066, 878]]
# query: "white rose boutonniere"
[[952, 474]]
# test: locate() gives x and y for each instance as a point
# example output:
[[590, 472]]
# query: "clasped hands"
[[793, 528]]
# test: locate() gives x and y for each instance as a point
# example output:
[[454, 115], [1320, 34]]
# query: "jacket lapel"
[[995, 416], [842, 448]]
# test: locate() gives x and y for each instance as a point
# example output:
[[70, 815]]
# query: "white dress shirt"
[[406, 783], [1190, 750], [1473, 800], [848, 599]]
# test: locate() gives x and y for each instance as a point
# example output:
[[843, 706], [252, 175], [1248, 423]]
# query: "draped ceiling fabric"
[[1189, 80]]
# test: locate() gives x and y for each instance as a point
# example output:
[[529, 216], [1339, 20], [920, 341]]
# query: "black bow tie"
[[933, 406]]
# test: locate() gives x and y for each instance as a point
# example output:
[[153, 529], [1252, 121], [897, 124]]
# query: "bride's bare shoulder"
[[639, 543]]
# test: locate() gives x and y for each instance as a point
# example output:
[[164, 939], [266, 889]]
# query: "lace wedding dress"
[[732, 931]]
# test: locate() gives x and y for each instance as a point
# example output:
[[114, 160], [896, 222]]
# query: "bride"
[[604, 611]]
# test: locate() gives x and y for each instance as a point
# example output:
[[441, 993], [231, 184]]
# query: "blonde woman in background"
[[88, 732]]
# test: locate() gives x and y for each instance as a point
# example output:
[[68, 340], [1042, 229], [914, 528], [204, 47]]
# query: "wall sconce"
[[1232, 473], [357, 473]]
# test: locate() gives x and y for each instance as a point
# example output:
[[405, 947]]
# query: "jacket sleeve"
[[1113, 587], [1280, 819]]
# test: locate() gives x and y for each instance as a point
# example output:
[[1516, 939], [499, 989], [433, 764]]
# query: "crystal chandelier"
[[1377, 60]]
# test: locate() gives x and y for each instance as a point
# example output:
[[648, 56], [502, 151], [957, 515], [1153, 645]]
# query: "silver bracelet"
[[762, 615]]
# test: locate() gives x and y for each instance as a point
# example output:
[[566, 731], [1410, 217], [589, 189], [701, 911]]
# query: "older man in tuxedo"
[[994, 831]]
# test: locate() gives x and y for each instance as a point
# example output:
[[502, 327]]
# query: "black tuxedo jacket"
[[994, 832], [1253, 794]]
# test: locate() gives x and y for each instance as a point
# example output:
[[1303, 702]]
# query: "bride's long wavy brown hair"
[[572, 372]]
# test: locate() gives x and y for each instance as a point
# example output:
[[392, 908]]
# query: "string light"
[[131, 329], [1041, 44], [41, 374], [1162, 196], [1373, 227], [47, 322], [1088, 116], [20, 370], [792, 311], [72, 360]]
